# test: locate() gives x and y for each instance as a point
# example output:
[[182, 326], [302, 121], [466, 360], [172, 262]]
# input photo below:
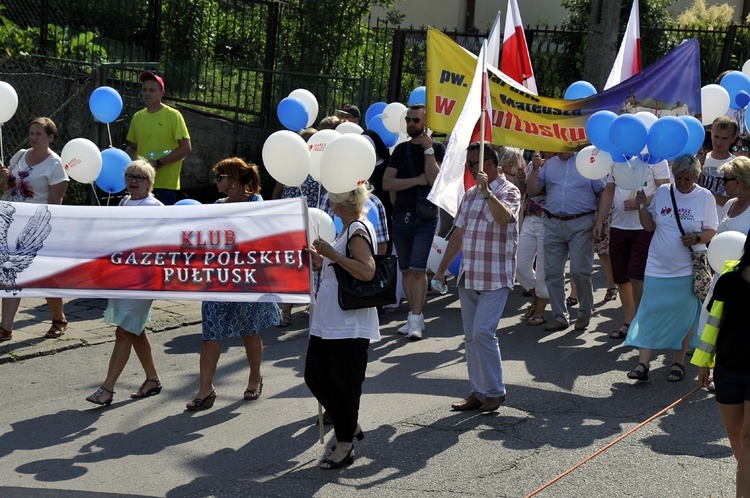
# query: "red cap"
[[150, 75]]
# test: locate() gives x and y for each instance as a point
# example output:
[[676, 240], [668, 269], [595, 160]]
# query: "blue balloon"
[[418, 96], [579, 90], [338, 224], [734, 82], [374, 110], [292, 113], [186, 202], [112, 177], [696, 135], [105, 104], [455, 266], [667, 137], [628, 134], [376, 124], [372, 213], [742, 99], [597, 130]]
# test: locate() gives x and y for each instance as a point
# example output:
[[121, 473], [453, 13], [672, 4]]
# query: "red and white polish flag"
[[628, 60], [515, 61]]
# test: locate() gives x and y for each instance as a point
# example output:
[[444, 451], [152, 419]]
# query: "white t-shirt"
[[740, 223], [31, 184], [149, 200], [628, 220], [667, 257], [710, 178]]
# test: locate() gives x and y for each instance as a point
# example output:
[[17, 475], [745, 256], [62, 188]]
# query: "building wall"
[[451, 13]]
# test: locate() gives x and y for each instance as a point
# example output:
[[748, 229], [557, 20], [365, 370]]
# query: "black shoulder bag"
[[356, 294], [425, 209], [702, 276]]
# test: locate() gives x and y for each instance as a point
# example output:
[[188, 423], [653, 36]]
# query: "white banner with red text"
[[249, 251]]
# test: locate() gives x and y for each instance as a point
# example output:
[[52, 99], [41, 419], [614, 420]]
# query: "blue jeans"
[[481, 312], [412, 237]]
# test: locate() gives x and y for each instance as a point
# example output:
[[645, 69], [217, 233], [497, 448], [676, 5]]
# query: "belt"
[[567, 217]]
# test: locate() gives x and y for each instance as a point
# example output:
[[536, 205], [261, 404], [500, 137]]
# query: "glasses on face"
[[409, 119], [727, 179], [740, 148], [220, 177], [135, 178]]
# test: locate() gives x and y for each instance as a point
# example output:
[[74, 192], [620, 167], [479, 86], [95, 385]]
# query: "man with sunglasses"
[[487, 233], [158, 133], [410, 174], [723, 135]]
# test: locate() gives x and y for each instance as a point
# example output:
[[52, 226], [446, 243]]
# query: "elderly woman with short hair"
[[668, 314], [337, 352], [131, 315]]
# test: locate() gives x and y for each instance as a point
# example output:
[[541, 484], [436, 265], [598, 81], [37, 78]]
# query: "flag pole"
[[485, 97]]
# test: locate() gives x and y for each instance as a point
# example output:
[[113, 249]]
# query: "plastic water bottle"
[[158, 154], [441, 288]]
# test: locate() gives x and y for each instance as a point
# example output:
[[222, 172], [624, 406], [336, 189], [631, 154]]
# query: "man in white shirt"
[[723, 136]]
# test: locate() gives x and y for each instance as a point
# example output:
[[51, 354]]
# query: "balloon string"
[[2, 152], [110, 135], [109, 196], [95, 196], [317, 228]]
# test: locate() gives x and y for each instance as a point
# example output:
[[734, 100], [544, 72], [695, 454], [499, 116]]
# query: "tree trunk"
[[601, 46]]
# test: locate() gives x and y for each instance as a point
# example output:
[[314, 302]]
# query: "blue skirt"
[[668, 311]]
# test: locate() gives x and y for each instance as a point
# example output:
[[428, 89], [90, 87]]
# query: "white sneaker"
[[404, 329], [416, 326]]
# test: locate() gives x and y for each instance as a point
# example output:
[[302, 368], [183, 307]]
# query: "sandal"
[[619, 333], [611, 294], [5, 335], [145, 394], [571, 301], [636, 374], [536, 320], [96, 398], [530, 311], [676, 374], [328, 464], [57, 329], [202, 403], [253, 394], [286, 320]]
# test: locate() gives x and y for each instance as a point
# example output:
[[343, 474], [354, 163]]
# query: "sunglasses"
[[412, 120], [738, 148], [727, 180], [135, 178]]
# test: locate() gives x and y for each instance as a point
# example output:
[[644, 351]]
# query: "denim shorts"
[[412, 238]]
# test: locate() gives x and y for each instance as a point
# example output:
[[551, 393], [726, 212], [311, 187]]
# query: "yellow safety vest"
[[705, 353]]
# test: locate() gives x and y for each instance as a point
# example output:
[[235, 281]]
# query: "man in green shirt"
[[158, 133]]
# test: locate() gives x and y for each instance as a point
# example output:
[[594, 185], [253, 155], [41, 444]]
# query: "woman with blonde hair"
[[337, 352]]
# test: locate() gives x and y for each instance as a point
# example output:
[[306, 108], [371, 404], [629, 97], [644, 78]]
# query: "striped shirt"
[[488, 261]]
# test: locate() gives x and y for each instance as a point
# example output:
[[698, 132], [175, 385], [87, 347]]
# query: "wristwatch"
[[429, 152], [697, 238], [487, 196], [158, 163]]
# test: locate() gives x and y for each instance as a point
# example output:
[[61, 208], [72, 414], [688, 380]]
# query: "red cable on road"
[[650, 419]]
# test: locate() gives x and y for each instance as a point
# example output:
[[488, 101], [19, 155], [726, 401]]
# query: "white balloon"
[[726, 246], [631, 175], [347, 127], [8, 102], [82, 160], [647, 118], [320, 225], [714, 103], [437, 251], [347, 161], [311, 103], [287, 158], [746, 67], [317, 144], [593, 163], [393, 115]]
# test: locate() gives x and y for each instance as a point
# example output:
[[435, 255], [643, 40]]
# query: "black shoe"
[[636, 374], [344, 462]]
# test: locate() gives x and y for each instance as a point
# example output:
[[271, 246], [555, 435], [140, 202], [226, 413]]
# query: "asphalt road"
[[567, 398]]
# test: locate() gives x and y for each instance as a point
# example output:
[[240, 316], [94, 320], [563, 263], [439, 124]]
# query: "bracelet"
[[159, 163], [697, 238], [487, 196], [337, 259]]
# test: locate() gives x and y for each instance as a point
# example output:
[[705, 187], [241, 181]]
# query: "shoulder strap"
[[677, 213], [16, 158], [412, 169], [372, 248]]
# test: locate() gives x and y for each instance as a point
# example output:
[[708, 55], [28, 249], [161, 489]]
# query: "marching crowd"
[[529, 216]]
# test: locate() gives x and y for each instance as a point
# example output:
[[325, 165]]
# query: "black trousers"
[[334, 372]]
